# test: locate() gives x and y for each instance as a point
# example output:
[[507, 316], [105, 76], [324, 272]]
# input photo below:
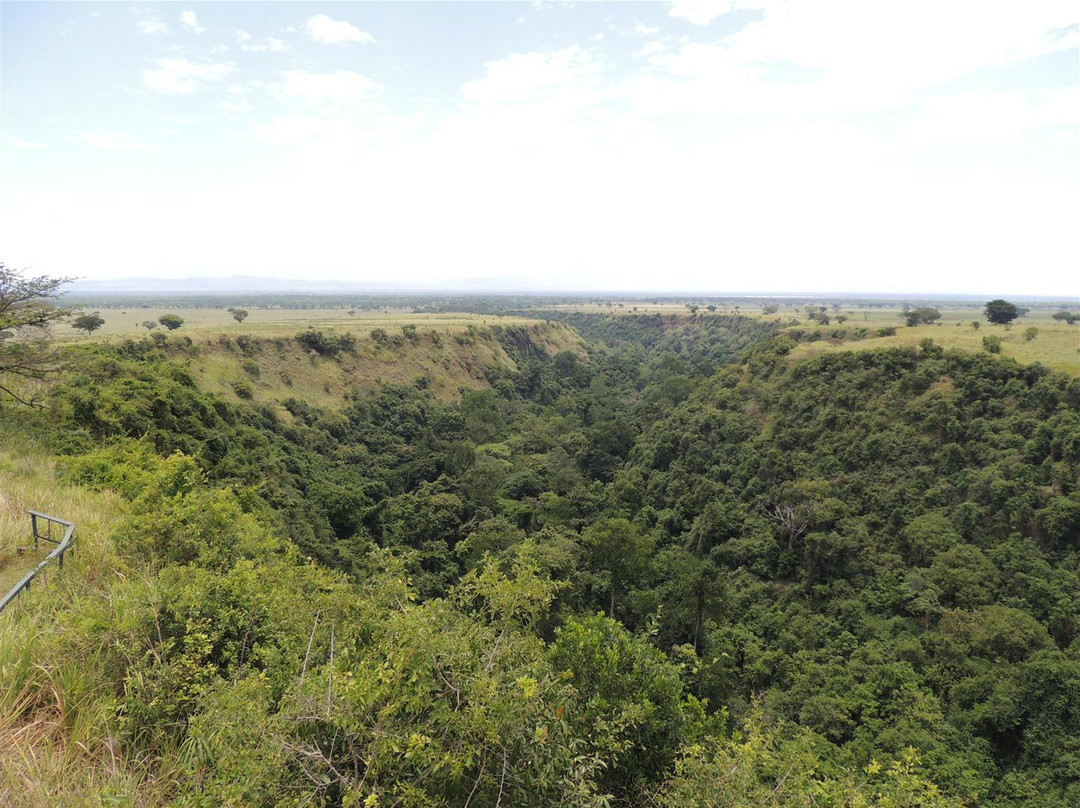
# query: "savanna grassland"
[[575, 555], [210, 321]]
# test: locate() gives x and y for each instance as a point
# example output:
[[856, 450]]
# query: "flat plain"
[[1057, 344]]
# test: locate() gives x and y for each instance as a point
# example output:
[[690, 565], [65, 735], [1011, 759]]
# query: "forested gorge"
[[680, 569]]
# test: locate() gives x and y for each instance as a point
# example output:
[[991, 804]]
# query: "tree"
[[88, 323], [239, 314], [1030, 333], [615, 546], [1065, 316], [975, 324], [26, 312], [149, 325], [171, 321], [1001, 312], [924, 315]]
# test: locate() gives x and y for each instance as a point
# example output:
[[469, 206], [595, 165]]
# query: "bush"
[[992, 344], [326, 344], [243, 389]]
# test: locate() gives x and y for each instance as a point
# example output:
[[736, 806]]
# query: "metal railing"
[[64, 544]]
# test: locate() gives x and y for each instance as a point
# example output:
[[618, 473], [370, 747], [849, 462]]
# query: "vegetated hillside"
[[703, 343], [582, 579], [327, 368]]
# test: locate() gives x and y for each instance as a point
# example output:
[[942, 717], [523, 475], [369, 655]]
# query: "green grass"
[[56, 745], [202, 322], [29, 479], [1057, 345]]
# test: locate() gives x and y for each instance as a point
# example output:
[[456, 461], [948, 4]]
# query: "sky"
[[694, 145]]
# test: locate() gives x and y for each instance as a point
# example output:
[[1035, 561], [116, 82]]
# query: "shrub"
[[242, 389], [326, 344]]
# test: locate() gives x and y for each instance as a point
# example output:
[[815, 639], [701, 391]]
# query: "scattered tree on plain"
[[239, 314], [1001, 312], [923, 315], [88, 323], [171, 321], [1066, 317], [149, 325]]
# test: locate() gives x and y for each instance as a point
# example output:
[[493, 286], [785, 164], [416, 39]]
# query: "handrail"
[[62, 546]]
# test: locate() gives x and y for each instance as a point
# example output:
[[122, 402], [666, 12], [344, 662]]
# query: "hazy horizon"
[[753, 146]]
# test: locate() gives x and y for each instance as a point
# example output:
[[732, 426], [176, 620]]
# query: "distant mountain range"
[[256, 284]]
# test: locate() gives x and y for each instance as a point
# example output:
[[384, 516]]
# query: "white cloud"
[[114, 141], [341, 86], [567, 79], [979, 118], [234, 107], [323, 29], [291, 130], [844, 56], [152, 26], [182, 77], [699, 12], [191, 22], [645, 30], [22, 143], [813, 148], [270, 44]]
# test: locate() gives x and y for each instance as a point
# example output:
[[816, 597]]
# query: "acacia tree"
[[88, 323], [239, 314], [26, 312], [171, 321], [1001, 312]]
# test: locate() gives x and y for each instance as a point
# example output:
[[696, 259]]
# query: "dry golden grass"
[[286, 370], [208, 322], [56, 747]]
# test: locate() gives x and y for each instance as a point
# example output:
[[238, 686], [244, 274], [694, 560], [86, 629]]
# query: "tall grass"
[[58, 742]]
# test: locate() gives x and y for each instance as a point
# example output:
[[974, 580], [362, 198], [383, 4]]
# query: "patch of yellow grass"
[[289, 371], [203, 322], [1056, 346], [29, 479]]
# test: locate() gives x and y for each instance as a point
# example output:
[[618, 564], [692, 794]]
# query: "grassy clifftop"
[[345, 362]]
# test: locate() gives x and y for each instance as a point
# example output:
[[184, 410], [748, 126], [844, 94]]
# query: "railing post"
[[33, 526]]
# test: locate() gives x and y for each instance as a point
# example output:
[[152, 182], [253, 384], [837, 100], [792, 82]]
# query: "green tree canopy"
[[171, 321], [88, 323], [1001, 311]]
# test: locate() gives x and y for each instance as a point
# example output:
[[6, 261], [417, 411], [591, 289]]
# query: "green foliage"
[[844, 558], [923, 315], [327, 344], [763, 769], [171, 321], [1001, 312], [88, 323]]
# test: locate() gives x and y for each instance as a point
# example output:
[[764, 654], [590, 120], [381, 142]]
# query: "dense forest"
[[675, 569]]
